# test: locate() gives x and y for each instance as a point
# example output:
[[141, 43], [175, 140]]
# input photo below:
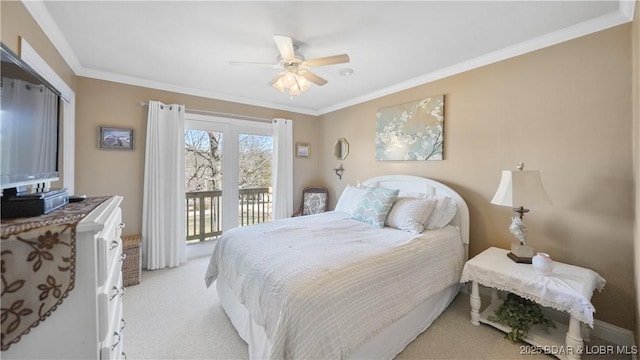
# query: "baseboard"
[[613, 333], [601, 329]]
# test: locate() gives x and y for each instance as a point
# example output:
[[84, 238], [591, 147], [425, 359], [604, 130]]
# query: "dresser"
[[88, 324]]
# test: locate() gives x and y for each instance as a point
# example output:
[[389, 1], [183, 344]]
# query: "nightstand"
[[568, 288]]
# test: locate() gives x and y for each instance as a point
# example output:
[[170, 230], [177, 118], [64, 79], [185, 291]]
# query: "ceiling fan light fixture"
[[292, 81], [289, 79], [303, 83], [296, 78], [294, 90], [278, 85]]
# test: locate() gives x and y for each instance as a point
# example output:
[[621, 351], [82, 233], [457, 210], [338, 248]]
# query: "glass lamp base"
[[521, 253]]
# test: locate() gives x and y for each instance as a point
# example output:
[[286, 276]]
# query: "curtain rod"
[[237, 116]]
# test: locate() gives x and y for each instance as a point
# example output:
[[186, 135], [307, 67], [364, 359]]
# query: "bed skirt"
[[386, 344]]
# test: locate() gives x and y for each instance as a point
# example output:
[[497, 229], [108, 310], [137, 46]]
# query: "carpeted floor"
[[172, 315]]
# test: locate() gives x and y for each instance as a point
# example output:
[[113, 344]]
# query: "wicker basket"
[[132, 266]]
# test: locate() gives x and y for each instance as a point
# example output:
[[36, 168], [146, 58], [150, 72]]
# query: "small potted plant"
[[521, 315]]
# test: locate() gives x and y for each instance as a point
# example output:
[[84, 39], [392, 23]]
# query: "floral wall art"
[[411, 131]]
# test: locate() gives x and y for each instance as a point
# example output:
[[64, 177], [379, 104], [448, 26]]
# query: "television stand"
[[29, 204]]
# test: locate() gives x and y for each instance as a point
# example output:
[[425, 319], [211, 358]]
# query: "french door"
[[227, 174]]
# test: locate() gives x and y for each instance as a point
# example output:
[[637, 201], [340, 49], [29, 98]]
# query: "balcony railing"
[[204, 211]]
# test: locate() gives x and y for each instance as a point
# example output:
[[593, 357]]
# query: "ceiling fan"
[[296, 76]]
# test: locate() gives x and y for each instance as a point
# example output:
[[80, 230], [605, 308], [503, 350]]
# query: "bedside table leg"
[[475, 303], [586, 332], [575, 345]]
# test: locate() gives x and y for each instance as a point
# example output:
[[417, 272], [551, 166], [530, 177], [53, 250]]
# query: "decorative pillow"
[[410, 214], [445, 210], [375, 205], [314, 203], [350, 198]]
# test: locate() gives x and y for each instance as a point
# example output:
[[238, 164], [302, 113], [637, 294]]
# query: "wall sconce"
[[340, 151], [339, 170]]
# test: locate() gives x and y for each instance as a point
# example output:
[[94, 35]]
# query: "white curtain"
[[163, 210], [282, 169]]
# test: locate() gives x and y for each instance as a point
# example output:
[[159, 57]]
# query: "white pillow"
[[350, 198], [410, 214], [444, 212], [418, 195]]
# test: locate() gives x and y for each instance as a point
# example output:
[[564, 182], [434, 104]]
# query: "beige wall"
[[564, 110], [105, 172]]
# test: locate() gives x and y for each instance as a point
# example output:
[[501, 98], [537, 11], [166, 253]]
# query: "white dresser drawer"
[[112, 345], [108, 241], [110, 294]]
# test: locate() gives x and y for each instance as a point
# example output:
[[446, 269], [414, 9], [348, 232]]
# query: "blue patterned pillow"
[[375, 205]]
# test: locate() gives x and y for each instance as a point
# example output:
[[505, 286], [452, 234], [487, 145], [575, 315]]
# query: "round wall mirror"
[[341, 149]]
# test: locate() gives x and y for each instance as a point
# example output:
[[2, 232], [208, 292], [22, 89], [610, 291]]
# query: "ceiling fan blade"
[[313, 78], [285, 46], [329, 60], [242, 63]]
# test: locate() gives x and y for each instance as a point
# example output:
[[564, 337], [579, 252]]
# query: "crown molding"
[[625, 12], [623, 15], [41, 15], [157, 85]]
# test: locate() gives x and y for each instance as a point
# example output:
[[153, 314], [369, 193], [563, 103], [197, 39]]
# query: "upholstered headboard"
[[408, 184]]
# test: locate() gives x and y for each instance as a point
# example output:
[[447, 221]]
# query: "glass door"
[[204, 144], [255, 154], [227, 175]]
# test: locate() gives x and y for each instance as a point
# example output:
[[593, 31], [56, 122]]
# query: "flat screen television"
[[29, 124]]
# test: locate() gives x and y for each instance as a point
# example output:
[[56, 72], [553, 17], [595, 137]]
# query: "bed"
[[339, 286]]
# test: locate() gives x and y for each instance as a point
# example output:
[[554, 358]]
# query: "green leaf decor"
[[520, 314]]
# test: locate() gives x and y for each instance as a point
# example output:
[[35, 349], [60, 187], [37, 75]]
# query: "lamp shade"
[[520, 188], [278, 85], [292, 81]]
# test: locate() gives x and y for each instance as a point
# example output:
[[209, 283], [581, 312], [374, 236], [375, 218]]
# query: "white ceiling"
[[186, 46]]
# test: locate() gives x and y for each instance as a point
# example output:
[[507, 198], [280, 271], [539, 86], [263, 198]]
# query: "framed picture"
[[115, 138], [411, 131], [302, 150]]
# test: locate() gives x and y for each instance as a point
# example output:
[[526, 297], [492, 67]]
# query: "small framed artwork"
[[115, 138], [302, 150]]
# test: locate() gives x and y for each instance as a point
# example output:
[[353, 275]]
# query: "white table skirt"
[[568, 288]]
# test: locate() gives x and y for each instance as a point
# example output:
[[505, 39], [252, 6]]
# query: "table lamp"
[[517, 189]]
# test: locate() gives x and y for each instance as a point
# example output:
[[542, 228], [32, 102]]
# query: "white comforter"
[[320, 285]]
